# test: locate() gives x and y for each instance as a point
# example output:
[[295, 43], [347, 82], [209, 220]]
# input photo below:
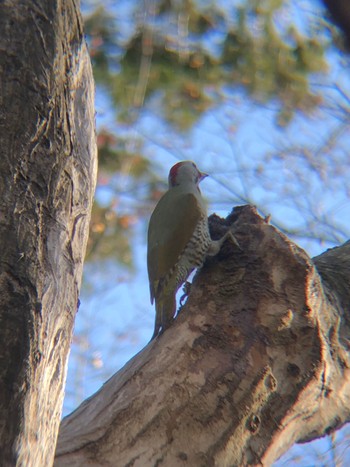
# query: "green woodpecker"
[[178, 240]]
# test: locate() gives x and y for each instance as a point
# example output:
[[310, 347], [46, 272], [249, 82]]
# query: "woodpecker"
[[178, 240]]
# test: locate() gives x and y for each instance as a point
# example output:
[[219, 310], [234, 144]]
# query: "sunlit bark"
[[256, 361]]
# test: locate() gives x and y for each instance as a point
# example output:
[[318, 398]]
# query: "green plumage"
[[178, 239], [171, 228]]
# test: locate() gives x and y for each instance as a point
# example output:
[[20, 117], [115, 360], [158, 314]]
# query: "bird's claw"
[[233, 239]]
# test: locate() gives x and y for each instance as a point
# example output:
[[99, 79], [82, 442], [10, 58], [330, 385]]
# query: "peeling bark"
[[256, 361], [47, 180]]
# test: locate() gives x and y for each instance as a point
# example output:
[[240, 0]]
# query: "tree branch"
[[253, 363]]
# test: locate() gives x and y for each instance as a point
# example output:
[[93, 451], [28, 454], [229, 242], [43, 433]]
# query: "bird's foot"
[[233, 239], [216, 245]]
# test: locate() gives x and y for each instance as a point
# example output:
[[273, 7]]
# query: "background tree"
[[269, 58], [48, 170]]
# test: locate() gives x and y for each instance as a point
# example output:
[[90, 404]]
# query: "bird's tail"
[[165, 312]]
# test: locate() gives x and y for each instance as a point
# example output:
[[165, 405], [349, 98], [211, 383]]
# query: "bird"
[[178, 240]]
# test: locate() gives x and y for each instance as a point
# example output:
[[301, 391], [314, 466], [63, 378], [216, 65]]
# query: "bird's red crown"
[[173, 173]]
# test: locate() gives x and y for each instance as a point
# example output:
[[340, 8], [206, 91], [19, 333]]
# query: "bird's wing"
[[171, 227]]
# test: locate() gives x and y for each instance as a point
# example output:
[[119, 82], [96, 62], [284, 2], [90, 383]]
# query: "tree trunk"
[[256, 361], [47, 180]]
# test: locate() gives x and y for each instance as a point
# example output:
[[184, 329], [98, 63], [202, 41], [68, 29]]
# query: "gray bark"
[[256, 361], [47, 180]]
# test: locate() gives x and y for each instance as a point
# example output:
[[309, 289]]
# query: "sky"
[[238, 144]]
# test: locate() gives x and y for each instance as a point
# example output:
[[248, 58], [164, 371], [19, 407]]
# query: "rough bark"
[[256, 361], [47, 179]]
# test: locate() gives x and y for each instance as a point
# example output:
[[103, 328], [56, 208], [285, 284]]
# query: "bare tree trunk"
[[47, 180], [256, 361]]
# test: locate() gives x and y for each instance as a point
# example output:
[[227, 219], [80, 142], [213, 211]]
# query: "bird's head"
[[185, 172]]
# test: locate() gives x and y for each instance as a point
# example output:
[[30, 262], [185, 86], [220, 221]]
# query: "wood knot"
[[182, 456], [254, 423], [271, 382], [293, 370]]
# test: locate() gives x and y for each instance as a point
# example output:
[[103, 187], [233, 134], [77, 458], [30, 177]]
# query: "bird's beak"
[[202, 176]]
